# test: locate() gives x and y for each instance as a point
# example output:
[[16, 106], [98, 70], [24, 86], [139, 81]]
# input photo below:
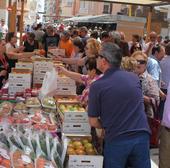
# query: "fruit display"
[[20, 159], [67, 100], [80, 147], [26, 148], [43, 163], [20, 107], [4, 157], [33, 102], [5, 108], [49, 102], [71, 108]]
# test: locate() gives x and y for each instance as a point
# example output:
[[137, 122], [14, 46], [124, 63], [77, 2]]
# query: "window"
[[82, 4], [106, 8], [69, 3]]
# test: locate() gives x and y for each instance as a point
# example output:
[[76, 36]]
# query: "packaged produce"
[[41, 162], [5, 108], [55, 156], [20, 118], [20, 107], [33, 102], [5, 161], [49, 102], [20, 159], [81, 147], [14, 141]]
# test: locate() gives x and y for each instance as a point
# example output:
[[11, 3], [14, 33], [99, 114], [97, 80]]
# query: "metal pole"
[[149, 19], [21, 21], [12, 16]]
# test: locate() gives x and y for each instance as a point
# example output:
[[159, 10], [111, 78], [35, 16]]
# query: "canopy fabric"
[[137, 2]]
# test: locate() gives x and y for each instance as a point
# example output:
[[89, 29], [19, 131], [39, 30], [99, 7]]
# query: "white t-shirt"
[[10, 48], [4, 30]]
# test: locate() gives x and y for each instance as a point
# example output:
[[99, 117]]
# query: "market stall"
[[38, 130]]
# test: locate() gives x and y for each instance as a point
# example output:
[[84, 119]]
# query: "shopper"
[[165, 67], [50, 39], [30, 44], [3, 28], [115, 104], [66, 43], [152, 42], [91, 50], [149, 86], [4, 66], [153, 66], [87, 80], [164, 147], [12, 50]]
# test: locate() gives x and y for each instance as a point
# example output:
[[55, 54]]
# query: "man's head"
[[153, 37], [83, 31], [104, 37], [158, 51], [31, 37], [50, 30], [115, 37], [65, 36], [110, 55]]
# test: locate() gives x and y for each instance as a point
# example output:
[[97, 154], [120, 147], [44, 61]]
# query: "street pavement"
[[154, 158]]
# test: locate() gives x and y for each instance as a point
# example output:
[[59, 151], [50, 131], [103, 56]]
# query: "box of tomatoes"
[[81, 152]]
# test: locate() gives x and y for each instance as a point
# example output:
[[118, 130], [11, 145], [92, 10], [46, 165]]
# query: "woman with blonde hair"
[[91, 51], [149, 86]]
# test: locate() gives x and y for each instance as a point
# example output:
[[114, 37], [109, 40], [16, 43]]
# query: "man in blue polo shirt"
[[116, 105]]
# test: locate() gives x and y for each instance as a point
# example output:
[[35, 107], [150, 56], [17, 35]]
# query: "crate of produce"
[[72, 113], [82, 153], [66, 99]]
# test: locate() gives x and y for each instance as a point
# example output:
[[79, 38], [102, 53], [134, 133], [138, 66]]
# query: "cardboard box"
[[57, 52], [68, 90], [24, 65], [65, 81], [73, 116], [12, 90], [76, 128], [19, 78], [85, 161]]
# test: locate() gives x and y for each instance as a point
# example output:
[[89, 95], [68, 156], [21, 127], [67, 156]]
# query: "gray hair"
[[112, 53], [115, 36]]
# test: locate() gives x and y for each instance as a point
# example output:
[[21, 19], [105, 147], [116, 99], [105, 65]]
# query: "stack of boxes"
[[19, 80], [65, 86], [24, 65], [41, 66]]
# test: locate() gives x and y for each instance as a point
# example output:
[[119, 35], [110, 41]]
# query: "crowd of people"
[[121, 84]]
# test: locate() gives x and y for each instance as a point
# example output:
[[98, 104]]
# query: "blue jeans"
[[134, 150]]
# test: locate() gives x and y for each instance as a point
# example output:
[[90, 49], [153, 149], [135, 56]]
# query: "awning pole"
[[149, 19], [21, 21]]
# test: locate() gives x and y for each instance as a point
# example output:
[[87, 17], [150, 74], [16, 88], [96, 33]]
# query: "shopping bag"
[[49, 85], [155, 127], [166, 113]]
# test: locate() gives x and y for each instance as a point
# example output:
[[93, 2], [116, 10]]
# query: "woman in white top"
[[13, 51]]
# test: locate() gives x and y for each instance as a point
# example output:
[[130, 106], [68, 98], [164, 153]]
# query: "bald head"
[[153, 36]]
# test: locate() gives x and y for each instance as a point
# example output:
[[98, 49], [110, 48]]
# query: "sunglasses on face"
[[141, 62]]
